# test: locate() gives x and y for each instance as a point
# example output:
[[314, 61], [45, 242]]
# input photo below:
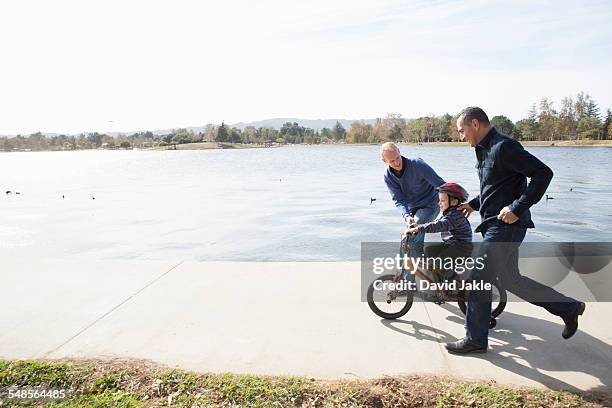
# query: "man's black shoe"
[[464, 347], [571, 322]]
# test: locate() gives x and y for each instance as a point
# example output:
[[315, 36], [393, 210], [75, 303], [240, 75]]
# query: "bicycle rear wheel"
[[499, 300], [386, 302]]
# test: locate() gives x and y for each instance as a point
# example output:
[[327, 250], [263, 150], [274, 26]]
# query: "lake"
[[295, 203]]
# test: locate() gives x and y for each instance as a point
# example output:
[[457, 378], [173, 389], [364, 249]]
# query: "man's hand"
[[467, 210], [410, 231], [410, 221], [507, 216]]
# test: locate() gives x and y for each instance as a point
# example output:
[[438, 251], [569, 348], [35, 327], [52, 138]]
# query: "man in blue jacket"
[[505, 198], [412, 184]]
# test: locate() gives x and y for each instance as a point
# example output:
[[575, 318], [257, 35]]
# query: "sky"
[[126, 65]]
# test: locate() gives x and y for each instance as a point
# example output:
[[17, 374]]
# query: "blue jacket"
[[503, 168], [415, 188]]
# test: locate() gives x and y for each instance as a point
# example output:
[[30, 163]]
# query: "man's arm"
[[428, 173], [516, 158], [398, 197], [475, 203]]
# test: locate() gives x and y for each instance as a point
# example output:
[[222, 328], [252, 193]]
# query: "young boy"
[[454, 227]]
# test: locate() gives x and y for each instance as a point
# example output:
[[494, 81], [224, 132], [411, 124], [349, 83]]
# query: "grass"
[[137, 383], [35, 373]]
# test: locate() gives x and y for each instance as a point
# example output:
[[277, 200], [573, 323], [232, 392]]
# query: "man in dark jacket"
[[505, 198]]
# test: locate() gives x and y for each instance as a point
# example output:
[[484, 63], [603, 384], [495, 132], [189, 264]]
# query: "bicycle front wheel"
[[386, 301]]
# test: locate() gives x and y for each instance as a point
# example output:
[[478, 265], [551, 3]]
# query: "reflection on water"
[[293, 203]]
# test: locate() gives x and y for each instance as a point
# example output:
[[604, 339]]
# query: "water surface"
[[293, 203]]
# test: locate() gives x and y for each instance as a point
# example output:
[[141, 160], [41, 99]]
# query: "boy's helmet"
[[454, 190]]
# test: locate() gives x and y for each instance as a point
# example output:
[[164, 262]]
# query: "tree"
[[326, 135], [312, 137], [249, 134], [592, 109], [503, 124], [445, 130], [167, 139], [360, 133], [395, 127], [209, 133], [339, 132], [37, 141], [294, 133], [222, 134], [452, 129], [95, 139], [524, 127], [267, 135], [83, 142], [181, 136], [380, 131], [605, 127], [580, 107], [529, 126], [588, 128], [235, 135], [196, 137], [567, 119], [429, 128], [517, 134], [108, 140], [547, 119], [424, 129], [125, 144]]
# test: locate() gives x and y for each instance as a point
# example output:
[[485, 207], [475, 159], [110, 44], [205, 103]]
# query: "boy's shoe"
[[464, 346], [452, 295], [571, 322]]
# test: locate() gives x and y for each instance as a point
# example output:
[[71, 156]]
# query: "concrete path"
[[277, 318]]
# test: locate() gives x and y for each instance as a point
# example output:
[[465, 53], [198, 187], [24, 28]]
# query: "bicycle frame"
[[419, 273]]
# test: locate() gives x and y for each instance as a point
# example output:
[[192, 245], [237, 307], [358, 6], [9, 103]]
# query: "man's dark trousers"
[[501, 245]]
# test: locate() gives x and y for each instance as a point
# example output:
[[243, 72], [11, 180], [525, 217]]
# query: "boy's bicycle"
[[392, 303]]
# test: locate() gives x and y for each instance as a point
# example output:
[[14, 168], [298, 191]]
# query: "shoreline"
[[558, 143], [238, 146]]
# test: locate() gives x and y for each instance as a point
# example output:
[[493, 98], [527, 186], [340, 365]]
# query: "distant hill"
[[316, 124], [276, 123]]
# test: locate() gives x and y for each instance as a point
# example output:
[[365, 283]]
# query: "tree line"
[[575, 118]]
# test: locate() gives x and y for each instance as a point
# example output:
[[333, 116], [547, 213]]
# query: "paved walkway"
[[277, 318]]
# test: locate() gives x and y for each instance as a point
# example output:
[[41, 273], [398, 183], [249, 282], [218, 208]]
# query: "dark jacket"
[[503, 167]]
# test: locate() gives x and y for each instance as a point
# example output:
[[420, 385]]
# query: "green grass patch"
[[35, 373], [107, 399], [136, 383], [109, 382], [255, 390]]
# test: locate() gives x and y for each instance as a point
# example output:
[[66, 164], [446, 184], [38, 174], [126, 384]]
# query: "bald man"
[[412, 184]]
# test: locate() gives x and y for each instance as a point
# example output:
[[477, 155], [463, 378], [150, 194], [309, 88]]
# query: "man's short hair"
[[388, 147], [474, 112]]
